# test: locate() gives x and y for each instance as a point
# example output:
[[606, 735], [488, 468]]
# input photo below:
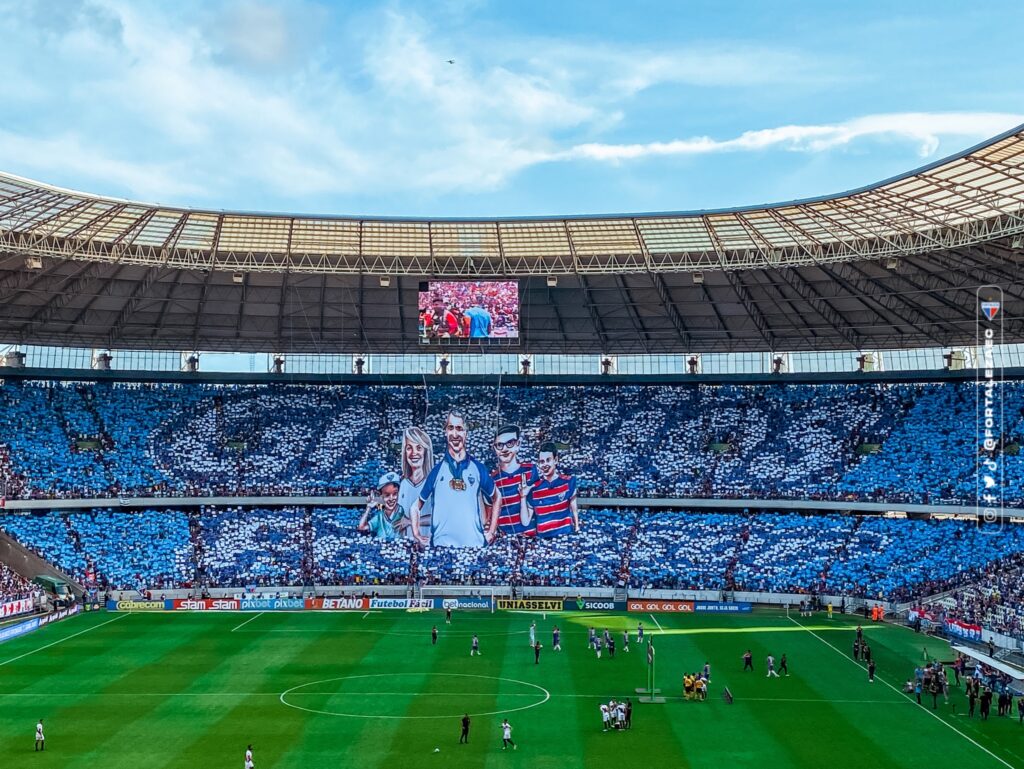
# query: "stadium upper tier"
[[909, 442], [891, 265]]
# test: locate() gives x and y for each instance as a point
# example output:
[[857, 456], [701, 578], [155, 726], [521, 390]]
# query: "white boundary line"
[[605, 695], [247, 622], [907, 697], [294, 689], [62, 640], [658, 624]]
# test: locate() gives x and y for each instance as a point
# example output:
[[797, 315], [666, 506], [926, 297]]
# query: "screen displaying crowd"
[[67, 440], [480, 309]]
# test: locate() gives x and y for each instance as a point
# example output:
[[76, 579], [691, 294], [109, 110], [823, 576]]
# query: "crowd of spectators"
[[806, 441], [13, 586], [991, 597], [872, 557]]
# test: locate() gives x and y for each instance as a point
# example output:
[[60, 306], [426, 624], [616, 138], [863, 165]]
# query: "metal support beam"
[[753, 311], [670, 309], [868, 292], [86, 275], [806, 291], [595, 316]]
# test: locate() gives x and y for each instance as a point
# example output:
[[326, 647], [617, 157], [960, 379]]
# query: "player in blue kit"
[[462, 492], [556, 639]]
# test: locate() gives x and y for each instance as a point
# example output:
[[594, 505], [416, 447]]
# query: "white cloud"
[[68, 153], [260, 99], [924, 129]]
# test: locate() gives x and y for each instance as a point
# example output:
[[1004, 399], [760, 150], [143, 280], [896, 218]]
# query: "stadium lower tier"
[[775, 552], [886, 442]]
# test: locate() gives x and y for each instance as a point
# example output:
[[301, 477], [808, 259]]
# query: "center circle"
[[445, 695]]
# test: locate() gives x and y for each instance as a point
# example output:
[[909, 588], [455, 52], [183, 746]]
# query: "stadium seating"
[[723, 441], [857, 556], [13, 586], [994, 598]]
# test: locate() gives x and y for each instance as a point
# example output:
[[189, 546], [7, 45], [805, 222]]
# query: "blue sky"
[[549, 108]]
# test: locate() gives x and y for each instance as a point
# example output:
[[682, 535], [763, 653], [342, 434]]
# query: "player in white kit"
[[40, 739]]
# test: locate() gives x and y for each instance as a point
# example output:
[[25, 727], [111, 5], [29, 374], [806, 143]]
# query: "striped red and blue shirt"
[[509, 520], [550, 500]]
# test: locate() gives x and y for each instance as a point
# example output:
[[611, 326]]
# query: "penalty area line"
[[61, 640], [657, 624], [907, 697], [247, 621]]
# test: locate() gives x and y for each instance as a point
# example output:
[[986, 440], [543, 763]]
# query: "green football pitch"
[[142, 691]]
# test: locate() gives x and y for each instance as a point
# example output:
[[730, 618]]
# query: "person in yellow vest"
[[701, 689], [688, 686], [830, 610]]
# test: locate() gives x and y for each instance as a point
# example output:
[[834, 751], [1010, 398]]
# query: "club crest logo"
[[990, 309]]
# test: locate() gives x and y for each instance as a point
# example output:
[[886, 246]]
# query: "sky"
[[468, 108]]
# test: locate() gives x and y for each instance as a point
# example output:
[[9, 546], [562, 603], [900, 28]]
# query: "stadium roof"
[[895, 264]]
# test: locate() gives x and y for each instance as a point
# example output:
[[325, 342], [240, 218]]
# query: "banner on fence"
[[402, 603], [136, 605], [18, 629], [722, 607], [338, 604], [660, 607], [272, 604], [921, 614], [202, 604], [530, 604], [463, 603], [963, 629], [14, 608], [54, 616], [593, 604]]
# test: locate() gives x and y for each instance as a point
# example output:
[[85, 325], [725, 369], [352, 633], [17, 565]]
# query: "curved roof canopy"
[[961, 201], [894, 264]]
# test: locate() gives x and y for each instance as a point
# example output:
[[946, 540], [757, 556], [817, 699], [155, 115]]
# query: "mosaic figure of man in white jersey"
[[465, 502]]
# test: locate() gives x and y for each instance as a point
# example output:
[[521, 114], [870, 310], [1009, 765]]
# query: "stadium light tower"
[[956, 360], [14, 359], [101, 360], [866, 362]]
